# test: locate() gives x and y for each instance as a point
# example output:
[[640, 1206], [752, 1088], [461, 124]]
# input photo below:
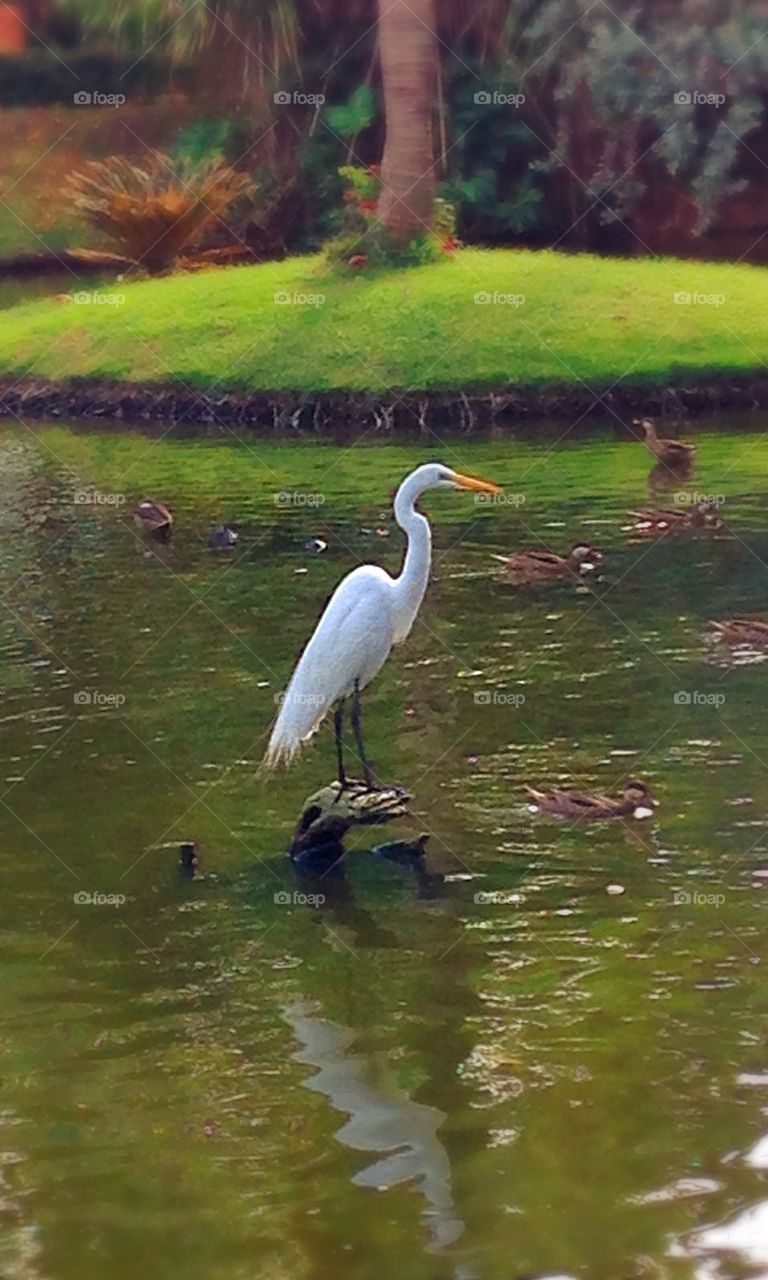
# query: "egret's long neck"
[[412, 581]]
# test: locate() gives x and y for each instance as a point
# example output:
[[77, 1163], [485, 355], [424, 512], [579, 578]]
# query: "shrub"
[[150, 214], [365, 241]]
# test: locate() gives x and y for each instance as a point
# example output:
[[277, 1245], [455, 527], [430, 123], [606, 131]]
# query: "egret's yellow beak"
[[480, 486]]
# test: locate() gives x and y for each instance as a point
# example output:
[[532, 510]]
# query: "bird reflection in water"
[[400, 1133]]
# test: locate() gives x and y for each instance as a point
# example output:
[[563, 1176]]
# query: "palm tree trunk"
[[408, 53]]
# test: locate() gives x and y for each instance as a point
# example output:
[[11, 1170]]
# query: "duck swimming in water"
[[673, 453], [659, 522], [153, 518], [542, 565], [224, 539], [636, 802], [751, 633]]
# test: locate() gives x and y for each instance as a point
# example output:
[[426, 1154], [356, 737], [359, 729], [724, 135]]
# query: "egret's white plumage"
[[368, 613]]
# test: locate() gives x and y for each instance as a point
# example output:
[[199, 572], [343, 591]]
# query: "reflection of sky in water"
[[743, 1239]]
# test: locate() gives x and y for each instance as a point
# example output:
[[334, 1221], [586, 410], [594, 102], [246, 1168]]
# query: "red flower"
[[358, 260], [450, 244], [368, 206]]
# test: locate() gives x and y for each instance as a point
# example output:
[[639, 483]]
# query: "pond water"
[[517, 1075]]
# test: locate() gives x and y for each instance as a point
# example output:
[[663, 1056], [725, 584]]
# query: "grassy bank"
[[583, 319]]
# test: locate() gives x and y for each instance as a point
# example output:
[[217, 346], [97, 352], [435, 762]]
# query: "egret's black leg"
[[338, 727], [358, 732]]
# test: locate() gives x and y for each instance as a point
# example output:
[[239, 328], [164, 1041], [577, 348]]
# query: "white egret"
[[368, 613]]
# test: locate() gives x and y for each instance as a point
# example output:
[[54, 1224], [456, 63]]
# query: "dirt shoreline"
[[319, 413]]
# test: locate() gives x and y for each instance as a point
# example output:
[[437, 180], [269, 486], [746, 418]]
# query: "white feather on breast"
[[350, 645]]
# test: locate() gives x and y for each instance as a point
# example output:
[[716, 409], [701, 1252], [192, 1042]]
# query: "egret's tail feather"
[[278, 753], [298, 719]]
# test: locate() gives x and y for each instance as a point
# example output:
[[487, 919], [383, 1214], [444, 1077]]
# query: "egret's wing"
[[351, 642]]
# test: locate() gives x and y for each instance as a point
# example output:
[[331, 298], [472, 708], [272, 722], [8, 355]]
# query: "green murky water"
[[521, 1075]]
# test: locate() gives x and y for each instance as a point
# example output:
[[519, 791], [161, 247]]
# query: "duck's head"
[[645, 424], [584, 556], [708, 513], [639, 796]]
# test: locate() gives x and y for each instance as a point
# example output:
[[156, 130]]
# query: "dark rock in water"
[[318, 841], [406, 852], [328, 814]]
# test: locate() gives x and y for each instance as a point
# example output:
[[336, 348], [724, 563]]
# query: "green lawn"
[[583, 317]]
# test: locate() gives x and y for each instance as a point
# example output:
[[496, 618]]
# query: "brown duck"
[[751, 633], [153, 517], [636, 802], [673, 453], [657, 523], [541, 565]]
